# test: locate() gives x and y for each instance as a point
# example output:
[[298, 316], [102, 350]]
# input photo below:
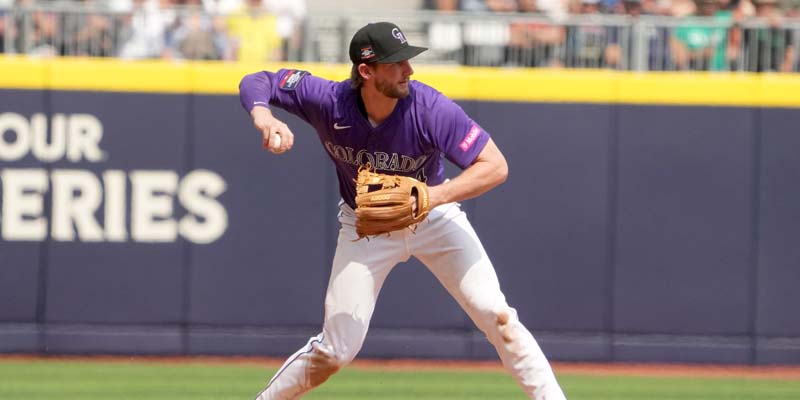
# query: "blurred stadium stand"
[[615, 34]]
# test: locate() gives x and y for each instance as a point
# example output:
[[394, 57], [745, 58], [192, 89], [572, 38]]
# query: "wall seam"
[[187, 245], [755, 238], [611, 227], [44, 247]]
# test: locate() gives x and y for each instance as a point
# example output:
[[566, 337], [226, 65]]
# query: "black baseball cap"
[[381, 42]]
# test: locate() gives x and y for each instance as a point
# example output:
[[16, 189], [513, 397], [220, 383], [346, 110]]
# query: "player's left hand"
[[387, 203]]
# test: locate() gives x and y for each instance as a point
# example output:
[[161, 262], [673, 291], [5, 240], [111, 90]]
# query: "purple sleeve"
[[455, 134], [254, 90], [293, 90]]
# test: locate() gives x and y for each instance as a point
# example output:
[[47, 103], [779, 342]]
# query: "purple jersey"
[[423, 128]]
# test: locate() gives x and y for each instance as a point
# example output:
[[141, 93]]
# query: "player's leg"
[[358, 272], [449, 247]]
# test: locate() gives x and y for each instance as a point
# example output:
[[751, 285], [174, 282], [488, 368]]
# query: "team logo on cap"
[[367, 53], [399, 35]]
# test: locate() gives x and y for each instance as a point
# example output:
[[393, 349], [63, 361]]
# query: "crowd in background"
[[554, 33], [240, 30], [731, 44]]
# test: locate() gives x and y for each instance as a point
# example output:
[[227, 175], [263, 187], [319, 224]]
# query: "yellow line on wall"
[[23, 73], [458, 82]]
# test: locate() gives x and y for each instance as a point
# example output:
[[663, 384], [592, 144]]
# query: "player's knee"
[[325, 361], [505, 321], [500, 325]]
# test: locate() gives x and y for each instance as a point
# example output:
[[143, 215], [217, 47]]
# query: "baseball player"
[[382, 119]]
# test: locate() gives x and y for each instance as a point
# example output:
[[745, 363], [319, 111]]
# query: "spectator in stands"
[[555, 9], [94, 37], [197, 37], [445, 36], [8, 34], [223, 7], [792, 8], [535, 42], [612, 7], [619, 53], [793, 11], [769, 48], [740, 8], [144, 35], [485, 40], [528, 7], [682, 8], [700, 44], [254, 34], [474, 5], [46, 39], [622, 51], [291, 16], [506, 6], [587, 42], [656, 7]]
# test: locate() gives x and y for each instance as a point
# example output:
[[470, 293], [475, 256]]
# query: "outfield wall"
[[647, 217]]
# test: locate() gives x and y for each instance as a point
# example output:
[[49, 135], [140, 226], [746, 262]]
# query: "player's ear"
[[365, 70]]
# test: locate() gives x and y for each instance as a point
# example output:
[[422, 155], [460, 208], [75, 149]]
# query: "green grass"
[[76, 380]]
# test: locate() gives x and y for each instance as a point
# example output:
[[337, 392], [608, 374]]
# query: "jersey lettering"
[[383, 161]]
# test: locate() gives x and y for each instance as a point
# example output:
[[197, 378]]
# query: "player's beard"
[[394, 91]]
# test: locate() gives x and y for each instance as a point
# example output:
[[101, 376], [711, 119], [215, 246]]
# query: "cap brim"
[[406, 53]]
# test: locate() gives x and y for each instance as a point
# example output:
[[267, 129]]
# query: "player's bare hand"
[[276, 135], [412, 201]]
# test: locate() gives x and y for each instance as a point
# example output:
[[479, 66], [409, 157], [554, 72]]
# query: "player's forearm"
[[260, 112], [489, 170], [473, 182], [262, 117]]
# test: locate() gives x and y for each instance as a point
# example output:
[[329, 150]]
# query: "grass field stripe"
[[236, 378]]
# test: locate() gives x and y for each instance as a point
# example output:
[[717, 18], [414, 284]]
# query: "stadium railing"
[[623, 42]]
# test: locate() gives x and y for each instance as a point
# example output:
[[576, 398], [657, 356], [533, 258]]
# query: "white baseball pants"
[[449, 247]]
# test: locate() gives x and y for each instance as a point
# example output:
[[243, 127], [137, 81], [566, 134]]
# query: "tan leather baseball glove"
[[386, 203]]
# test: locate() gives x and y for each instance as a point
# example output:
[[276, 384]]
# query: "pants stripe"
[[305, 350]]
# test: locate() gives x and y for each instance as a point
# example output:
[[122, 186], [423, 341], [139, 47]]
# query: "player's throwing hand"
[[277, 137]]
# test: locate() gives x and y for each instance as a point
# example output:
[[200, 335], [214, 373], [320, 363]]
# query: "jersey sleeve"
[[293, 90], [455, 134]]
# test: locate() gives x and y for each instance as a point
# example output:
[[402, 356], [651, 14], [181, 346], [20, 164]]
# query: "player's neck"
[[378, 106]]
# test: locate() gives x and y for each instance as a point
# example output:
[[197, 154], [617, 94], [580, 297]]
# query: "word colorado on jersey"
[[380, 160]]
